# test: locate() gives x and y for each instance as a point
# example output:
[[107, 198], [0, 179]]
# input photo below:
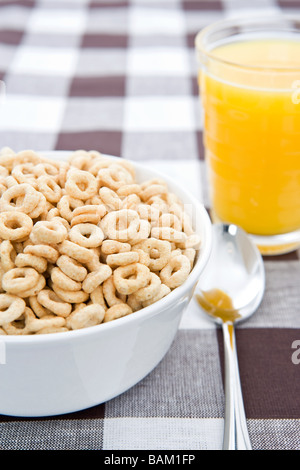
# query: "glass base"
[[270, 245], [277, 244]]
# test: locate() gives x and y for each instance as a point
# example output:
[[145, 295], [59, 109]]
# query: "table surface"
[[120, 77]]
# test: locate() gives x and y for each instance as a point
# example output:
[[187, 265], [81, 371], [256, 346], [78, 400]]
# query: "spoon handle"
[[236, 435]]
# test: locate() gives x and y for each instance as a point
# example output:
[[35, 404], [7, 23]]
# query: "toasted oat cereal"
[[82, 242]]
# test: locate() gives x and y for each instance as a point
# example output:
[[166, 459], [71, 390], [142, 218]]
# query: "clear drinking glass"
[[249, 82]]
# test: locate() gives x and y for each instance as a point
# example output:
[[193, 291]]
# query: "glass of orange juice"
[[249, 81]]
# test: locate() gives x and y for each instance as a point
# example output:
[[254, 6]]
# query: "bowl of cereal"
[[99, 258]]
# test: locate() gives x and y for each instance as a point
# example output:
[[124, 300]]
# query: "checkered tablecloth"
[[119, 76]]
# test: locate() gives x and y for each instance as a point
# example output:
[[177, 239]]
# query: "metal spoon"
[[230, 290]]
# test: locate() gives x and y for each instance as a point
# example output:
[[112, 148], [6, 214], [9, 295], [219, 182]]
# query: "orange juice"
[[252, 134]]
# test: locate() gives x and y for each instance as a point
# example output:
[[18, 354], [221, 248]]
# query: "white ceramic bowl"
[[58, 373]]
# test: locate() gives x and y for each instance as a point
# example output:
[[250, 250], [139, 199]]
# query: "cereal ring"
[[114, 177], [81, 162], [13, 328], [149, 291], [61, 220], [131, 202], [176, 252], [149, 213], [63, 281], [81, 184], [27, 156], [192, 241], [24, 173], [7, 255], [84, 317], [43, 251], [110, 247], [49, 232], [96, 278], [96, 201], [50, 301], [163, 291], [152, 182], [169, 234], [36, 324], [25, 196], [66, 205], [7, 158], [186, 223], [48, 169], [128, 166], [87, 235], [95, 263], [62, 175], [130, 278], [110, 198], [10, 181], [44, 214], [20, 325], [28, 260], [19, 279], [3, 171], [122, 259], [90, 213], [51, 190], [154, 190], [142, 233], [72, 268], [79, 253], [116, 311], [120, 225], [176, 271], [99, 164], [128, 189], [133, 303], [97, 297], [111, 296], [78, 307], [173, 199], [170, 220], [72, 297], [158, 250], [177, 208], [159, 204], [52, 329], [40, 284], [80, 159], [15, 225], [90, 157], [36, 307], [54, 212], [40, 208], [11, 308], [190, 253], [144, 257], [50, 165], [95, 155]]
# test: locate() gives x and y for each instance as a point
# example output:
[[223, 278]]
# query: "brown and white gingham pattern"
[[120, 76]]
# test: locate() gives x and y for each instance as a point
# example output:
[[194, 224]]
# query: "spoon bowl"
[[236, 268], [229, 291]]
